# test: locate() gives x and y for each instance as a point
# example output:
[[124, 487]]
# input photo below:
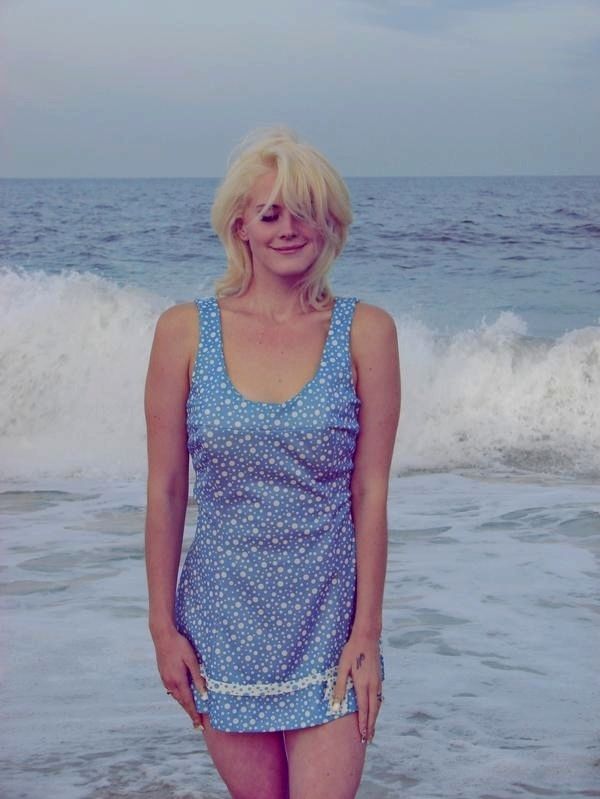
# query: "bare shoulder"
[[372, 315], [178, 318], [177, 334], [372, 328]]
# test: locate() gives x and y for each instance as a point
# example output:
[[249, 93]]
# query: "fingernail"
[[363, 740], [204, 696], [335, 706], [199, 727]]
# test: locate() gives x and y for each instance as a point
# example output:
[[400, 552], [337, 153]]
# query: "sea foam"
[[492, 397], [74, 354]]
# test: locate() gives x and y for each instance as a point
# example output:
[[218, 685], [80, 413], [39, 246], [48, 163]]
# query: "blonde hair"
[[310, 188]]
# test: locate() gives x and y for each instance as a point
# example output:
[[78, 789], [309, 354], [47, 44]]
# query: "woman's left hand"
[[360, 660]]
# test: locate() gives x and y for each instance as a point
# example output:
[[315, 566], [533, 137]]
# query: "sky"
[[145, 88]]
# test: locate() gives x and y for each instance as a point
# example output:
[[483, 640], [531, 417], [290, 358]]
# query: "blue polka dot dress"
[[266, 594]]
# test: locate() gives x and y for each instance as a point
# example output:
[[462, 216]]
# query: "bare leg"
[[253, 765], [326, 761]]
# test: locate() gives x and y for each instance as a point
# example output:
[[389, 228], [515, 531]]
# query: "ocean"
[[492, 598]]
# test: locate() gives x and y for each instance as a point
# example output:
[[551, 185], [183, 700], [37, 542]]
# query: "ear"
[[240, 229]]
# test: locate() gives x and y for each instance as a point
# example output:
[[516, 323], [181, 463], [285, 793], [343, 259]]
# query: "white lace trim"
[[328, 677]]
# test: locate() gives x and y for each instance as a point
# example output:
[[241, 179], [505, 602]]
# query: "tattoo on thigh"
[[360, 660]]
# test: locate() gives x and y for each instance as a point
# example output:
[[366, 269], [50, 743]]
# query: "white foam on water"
[[492, 398], [75, 349]]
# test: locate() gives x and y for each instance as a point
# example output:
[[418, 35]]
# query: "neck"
[[277, 298]]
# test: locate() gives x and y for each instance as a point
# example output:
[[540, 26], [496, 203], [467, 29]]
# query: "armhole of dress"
[[354, 302], [196, 368]]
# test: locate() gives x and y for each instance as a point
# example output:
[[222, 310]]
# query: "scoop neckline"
[[302, 390]]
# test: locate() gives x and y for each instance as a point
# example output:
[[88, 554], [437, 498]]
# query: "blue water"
[[449, 251]]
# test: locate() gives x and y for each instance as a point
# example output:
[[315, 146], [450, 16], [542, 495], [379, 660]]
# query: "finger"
[[186, 701], [194, 667], [339, 689], [199, 725], [362, 697], [374, 705], [181, 692]]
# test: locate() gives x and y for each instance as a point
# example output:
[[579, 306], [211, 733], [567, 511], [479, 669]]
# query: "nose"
[[288, 225]]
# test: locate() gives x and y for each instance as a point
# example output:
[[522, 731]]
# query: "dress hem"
[[326, 720]]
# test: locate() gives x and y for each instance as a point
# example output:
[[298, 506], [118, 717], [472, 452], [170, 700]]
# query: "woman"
[[287, 399]]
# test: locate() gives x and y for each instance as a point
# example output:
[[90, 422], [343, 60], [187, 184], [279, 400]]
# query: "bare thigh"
[[253, 765], [326, 761]]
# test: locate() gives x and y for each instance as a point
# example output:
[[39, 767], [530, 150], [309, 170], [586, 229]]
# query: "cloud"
[[524, 41], [422, 15]]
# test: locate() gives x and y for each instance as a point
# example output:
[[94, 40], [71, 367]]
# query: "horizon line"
[[345, 177]]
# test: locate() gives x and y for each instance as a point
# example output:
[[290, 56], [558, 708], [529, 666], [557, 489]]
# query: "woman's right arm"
[[166, 390]]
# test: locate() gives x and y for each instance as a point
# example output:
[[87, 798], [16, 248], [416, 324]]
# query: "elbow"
[[169, 487], [369, 489]]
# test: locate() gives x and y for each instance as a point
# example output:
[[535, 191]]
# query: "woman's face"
[[279, 242]]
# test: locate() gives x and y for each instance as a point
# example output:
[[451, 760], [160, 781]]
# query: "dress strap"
[[342, 322], [207, 354], [209, 328]]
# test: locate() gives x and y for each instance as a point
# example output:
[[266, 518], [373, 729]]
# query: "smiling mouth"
[[290, 249]]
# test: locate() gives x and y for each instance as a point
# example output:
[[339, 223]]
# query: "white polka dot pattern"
[[266, 594]]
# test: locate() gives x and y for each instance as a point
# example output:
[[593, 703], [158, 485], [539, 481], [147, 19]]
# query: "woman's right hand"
[[176, 657]]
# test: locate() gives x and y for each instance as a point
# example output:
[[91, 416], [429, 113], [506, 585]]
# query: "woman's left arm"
[[375, 353]]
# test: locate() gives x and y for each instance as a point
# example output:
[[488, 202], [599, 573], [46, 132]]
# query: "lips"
[[289, 249]]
